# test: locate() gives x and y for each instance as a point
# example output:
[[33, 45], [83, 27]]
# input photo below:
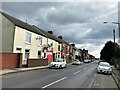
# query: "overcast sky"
[[78, 22]]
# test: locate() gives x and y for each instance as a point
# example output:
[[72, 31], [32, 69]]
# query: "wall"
[[1, 32], [37, 62], [44, 42], [20, 41], [56, 48], [10, 60], [7, 34]]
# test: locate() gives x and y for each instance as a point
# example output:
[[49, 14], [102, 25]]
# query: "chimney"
[[73, 45], [60, 37], [51, 32]]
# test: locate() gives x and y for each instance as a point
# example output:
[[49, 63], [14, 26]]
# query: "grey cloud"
[[80, 23], [77, 13]]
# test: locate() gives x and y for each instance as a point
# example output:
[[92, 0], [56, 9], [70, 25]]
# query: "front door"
[[27, 52]]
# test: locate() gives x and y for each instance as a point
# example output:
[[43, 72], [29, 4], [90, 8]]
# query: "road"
[[74, 76]]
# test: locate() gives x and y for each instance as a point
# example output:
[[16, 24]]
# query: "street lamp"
[[118, 29], [114, 40]]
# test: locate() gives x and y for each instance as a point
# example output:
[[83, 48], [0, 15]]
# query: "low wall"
[[68, 61], [37, 62], [119, 65], [10, 60]]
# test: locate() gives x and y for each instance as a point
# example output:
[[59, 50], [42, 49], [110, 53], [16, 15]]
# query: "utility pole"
[[114, 35], [115, 62]]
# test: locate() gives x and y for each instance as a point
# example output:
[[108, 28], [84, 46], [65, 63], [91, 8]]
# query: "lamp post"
[[114, 35], [115, 62], [118, 29]]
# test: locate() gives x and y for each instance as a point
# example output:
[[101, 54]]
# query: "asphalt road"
[[74, 76]]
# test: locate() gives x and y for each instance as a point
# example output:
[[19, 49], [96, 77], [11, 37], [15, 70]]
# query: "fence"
[[10, 60]]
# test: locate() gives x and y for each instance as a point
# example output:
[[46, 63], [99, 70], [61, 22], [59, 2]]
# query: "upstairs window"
[[28, 37], [58, 47], [39, 40]]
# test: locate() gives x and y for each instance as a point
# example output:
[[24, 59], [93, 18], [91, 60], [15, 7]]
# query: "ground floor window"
[[18, 50], [39, 54], [58, 56]]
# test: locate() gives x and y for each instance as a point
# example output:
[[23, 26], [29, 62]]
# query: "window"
[[58, 56], [58, 47], [28, 37], [18, 50], [51, 44], [39, 40], [39, 54], [27, 51]]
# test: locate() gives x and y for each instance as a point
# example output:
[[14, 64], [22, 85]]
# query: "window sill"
[[39, 45], [27, 43]]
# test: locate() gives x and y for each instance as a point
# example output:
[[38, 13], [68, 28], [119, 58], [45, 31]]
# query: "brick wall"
[[37, 62], [10, 60]]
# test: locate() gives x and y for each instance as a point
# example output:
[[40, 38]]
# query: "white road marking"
[[84, 68], [76, 72], [96, 84], [54, 82]]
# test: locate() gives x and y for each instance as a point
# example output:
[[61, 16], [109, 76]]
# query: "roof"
[[28, 27], [33, 28], [22, 24], [66, 42], [49, 35]]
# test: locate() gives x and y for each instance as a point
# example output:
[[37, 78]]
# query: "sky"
[[78, 22]]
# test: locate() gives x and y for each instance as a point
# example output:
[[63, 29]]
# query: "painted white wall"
[[20, 41]]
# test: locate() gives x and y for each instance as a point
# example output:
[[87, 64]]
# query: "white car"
[[76, 62], [104, 67], [59, 63], [86, 61]]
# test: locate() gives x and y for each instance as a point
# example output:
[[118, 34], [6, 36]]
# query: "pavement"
[[16, 70], [104, 81], [116, 76]]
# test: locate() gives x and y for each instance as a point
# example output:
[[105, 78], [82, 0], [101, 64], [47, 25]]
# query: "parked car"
[[100, 61], [104, 67], [58, 63], [76, 62], [87, 61]]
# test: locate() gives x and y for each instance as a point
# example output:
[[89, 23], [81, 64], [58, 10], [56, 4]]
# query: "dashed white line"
[[76, 72], [54, 82], [84, 68]]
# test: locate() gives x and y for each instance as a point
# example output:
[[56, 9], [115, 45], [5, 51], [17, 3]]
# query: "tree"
[[110, 52]]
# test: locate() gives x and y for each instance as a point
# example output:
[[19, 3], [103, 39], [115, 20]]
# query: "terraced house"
[[54, 44], [29, 45], [32, 42], [20, 37]]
